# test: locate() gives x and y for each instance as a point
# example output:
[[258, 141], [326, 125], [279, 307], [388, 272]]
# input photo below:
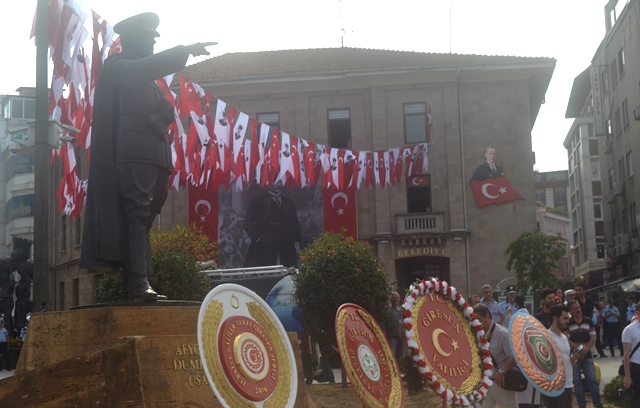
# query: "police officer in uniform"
[[131, 157]]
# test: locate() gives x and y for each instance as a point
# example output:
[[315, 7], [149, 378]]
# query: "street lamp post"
[[41, 177]]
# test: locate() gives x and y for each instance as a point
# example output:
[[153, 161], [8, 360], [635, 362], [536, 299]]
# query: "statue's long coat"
[[122, 76]]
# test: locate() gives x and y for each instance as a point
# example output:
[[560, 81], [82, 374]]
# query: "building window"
[[419, 194], [63, 233], [625, 220], [629, 165], [618, 124], [625, 113], [339, 128], [614, 71], [608, 127], [20, 108], [605, 81], [597, 209], [415, 122], [621, 61], [541, 196], [270, 118], [61, 295], [600, 244], [560, 197], [76, 292]]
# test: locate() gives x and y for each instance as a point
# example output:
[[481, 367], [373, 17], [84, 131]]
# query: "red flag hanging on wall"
[[203, 210], [340, 210], [493, 191]]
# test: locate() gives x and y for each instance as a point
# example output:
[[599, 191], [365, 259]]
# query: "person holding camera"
[[630, 344]]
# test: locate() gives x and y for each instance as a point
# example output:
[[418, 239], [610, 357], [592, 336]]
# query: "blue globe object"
[[282, 303]]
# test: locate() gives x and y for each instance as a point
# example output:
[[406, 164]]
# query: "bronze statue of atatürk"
[[130, 154]]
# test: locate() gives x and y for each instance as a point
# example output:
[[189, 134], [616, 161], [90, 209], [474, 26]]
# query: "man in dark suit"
[[488, 169], [272, 224], [131, 160]]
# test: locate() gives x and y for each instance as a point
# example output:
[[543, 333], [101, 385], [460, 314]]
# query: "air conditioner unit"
[[612, 252], [636, 113], [635, 244], [618, 188], [609, 197]]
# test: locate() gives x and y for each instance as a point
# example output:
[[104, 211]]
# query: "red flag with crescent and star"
[[203, 210], [493, 191], [340, 211]]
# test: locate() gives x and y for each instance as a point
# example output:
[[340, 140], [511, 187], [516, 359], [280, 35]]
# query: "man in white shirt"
[[630, 339], [497, 315], [502, 357], [559, 318]]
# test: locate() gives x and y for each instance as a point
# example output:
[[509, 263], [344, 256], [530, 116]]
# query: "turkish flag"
[[203, 210], [340, 210], [494, 191]]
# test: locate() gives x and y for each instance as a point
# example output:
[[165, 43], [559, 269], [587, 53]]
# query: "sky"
[[567, 30]]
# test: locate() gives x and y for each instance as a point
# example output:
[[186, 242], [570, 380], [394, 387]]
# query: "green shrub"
[[336, 270], [175, 252], [610, 393]]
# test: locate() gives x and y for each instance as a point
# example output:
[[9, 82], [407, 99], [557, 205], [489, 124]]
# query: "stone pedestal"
[[130, 356]]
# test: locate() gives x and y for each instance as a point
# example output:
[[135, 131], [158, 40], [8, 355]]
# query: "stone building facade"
[[477, 102]]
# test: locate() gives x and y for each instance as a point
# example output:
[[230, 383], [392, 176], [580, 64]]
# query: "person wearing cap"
[[569, 295], [4, 348], [507, 305], [131, 154], [631, 308]]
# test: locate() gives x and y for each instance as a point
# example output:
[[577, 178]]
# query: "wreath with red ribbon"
[[422, 288]]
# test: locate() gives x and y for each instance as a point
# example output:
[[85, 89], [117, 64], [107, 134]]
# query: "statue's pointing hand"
[[199, 49]]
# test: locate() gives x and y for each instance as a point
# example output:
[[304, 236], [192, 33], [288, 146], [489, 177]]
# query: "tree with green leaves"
[[175, 253], [533, 256], [334, 270]]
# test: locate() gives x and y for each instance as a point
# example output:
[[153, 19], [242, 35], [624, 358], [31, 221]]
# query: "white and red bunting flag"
[[340, 211], [252, 158], [310, 163], [262, 169], [300, 149], [221, 130], [349, 168], [273, 157], [203, 210], [287, 165], [493, 191], [398, 158], [69, 182], [387, 168], [428, 122], [361, 173], [115, 48], [295, 157], [189, 100], [197, 141], [239, 131]]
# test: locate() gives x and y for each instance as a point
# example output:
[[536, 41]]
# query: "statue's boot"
[[138, 286]]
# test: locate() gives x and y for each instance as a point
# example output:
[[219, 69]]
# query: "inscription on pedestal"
[[187, 358]]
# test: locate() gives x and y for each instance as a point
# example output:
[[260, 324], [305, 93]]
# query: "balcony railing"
[[419, 223]]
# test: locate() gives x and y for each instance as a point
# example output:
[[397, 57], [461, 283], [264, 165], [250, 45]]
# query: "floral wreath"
[[421, 288]]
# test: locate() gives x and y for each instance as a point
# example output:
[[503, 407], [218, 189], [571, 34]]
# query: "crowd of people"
[[5, 335], [581, 328]]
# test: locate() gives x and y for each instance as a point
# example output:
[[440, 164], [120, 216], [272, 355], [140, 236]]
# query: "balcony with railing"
[[417, 223]]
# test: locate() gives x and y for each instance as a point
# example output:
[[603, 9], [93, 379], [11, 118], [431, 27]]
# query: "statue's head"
[[138, 33]]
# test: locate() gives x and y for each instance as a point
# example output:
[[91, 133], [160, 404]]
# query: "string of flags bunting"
[[213, 144]]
